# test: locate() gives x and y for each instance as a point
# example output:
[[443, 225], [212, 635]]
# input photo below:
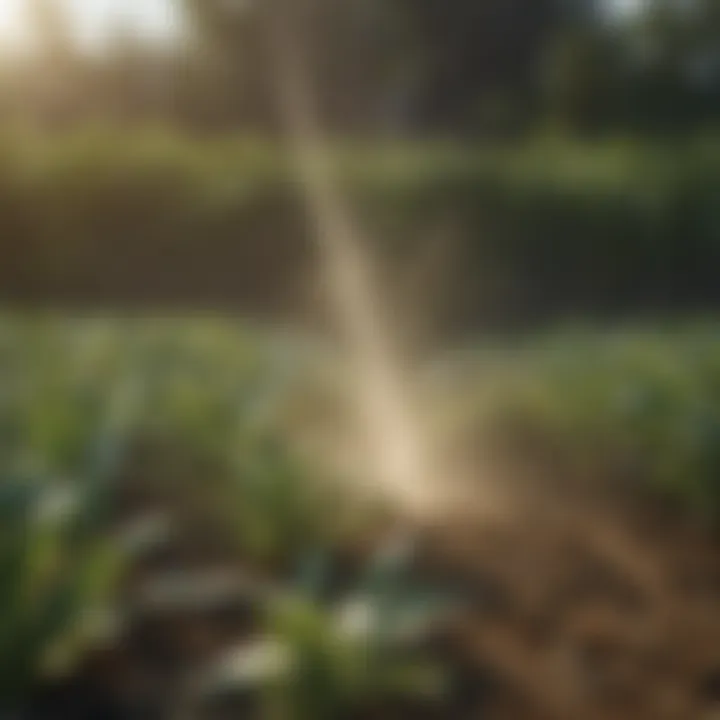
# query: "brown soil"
[[587, 611]]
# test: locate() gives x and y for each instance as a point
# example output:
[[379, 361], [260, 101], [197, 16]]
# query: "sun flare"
[[92, 21], [13, 22]]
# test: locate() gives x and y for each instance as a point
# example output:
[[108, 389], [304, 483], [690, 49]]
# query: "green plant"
[[282, 510], [67, 412], [321, 662], [637, 409], [54, 580]]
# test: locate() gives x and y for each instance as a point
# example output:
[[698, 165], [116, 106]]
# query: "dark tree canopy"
[[473, 67]]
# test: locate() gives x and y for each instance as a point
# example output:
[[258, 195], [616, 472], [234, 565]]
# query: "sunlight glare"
[[93, 20], [13, 25]]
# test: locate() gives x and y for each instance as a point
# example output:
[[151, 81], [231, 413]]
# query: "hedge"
[[547, 229]]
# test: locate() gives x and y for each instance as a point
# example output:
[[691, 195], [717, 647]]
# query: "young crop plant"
[[319, 660], [56, 580]]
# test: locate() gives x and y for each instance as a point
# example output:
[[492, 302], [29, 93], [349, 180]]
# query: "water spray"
[[393, 441]]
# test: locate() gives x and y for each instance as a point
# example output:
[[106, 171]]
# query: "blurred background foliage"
[[564, 155], [544, 230], [390, 67]]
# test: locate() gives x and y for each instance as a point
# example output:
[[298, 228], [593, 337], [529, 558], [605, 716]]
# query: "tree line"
[[470, 67]]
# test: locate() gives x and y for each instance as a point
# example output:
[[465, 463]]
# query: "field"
[[359, 360], [168, 521]]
